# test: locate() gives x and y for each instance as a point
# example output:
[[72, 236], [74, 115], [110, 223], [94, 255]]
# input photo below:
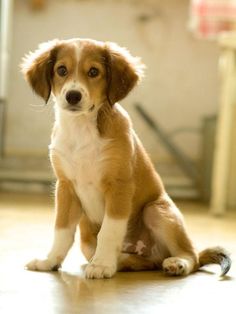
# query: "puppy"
[[106, 182]]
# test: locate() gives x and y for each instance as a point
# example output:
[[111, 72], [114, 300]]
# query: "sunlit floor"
[[26, 232]]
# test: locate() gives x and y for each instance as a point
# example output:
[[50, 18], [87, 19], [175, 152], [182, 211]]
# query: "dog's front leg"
[[112, 233], [109, 242], [67, 215]]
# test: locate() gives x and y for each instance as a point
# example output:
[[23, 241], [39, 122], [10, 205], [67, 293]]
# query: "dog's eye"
[[62, 70], [93, 72]]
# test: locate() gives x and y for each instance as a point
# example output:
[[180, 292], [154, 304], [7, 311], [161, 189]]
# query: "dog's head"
[[82, 74]]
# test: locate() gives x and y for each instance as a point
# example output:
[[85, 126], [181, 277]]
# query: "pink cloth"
[[208, 18]]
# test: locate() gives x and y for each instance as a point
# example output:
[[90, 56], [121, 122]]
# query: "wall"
[[181, 84], [232, 177]]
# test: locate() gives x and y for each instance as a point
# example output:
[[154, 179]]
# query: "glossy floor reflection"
[[25, 232]]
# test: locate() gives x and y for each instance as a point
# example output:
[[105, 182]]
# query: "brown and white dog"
[[106, 182]]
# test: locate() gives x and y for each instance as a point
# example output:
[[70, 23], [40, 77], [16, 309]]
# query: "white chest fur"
[[80, 149]]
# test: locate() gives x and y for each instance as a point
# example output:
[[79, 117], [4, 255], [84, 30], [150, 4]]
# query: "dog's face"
[[79, 77], [82, 74]]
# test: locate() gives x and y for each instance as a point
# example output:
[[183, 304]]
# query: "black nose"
[[73, 97]]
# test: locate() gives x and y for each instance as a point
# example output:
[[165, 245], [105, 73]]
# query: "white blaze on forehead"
[[78, 49], [74, 83]]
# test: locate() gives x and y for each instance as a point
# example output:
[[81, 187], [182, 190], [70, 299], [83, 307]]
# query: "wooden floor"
[[26, 231]]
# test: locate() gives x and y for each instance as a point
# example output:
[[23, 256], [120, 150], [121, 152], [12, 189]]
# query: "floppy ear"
[[37, 68], [123, 72]]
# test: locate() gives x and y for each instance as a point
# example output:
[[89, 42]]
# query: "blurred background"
[[184, 110]]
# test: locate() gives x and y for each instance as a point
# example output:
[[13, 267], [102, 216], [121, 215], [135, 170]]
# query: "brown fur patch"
[[67, 204], [122, 72], [88, 236], [38, 68], [129, 262]]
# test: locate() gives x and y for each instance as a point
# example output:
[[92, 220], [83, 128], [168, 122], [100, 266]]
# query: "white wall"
[[181, 84]]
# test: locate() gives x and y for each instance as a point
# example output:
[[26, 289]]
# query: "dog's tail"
[[216, 255]]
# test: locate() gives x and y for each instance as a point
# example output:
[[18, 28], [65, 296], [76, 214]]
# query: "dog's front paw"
[[175, 266], [94, 271], [42, 265]]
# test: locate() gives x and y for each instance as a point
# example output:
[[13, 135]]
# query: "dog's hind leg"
[[166, 224], [133, 262], [88, 237]]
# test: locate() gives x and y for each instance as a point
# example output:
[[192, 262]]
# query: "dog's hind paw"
[[175, 266]]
